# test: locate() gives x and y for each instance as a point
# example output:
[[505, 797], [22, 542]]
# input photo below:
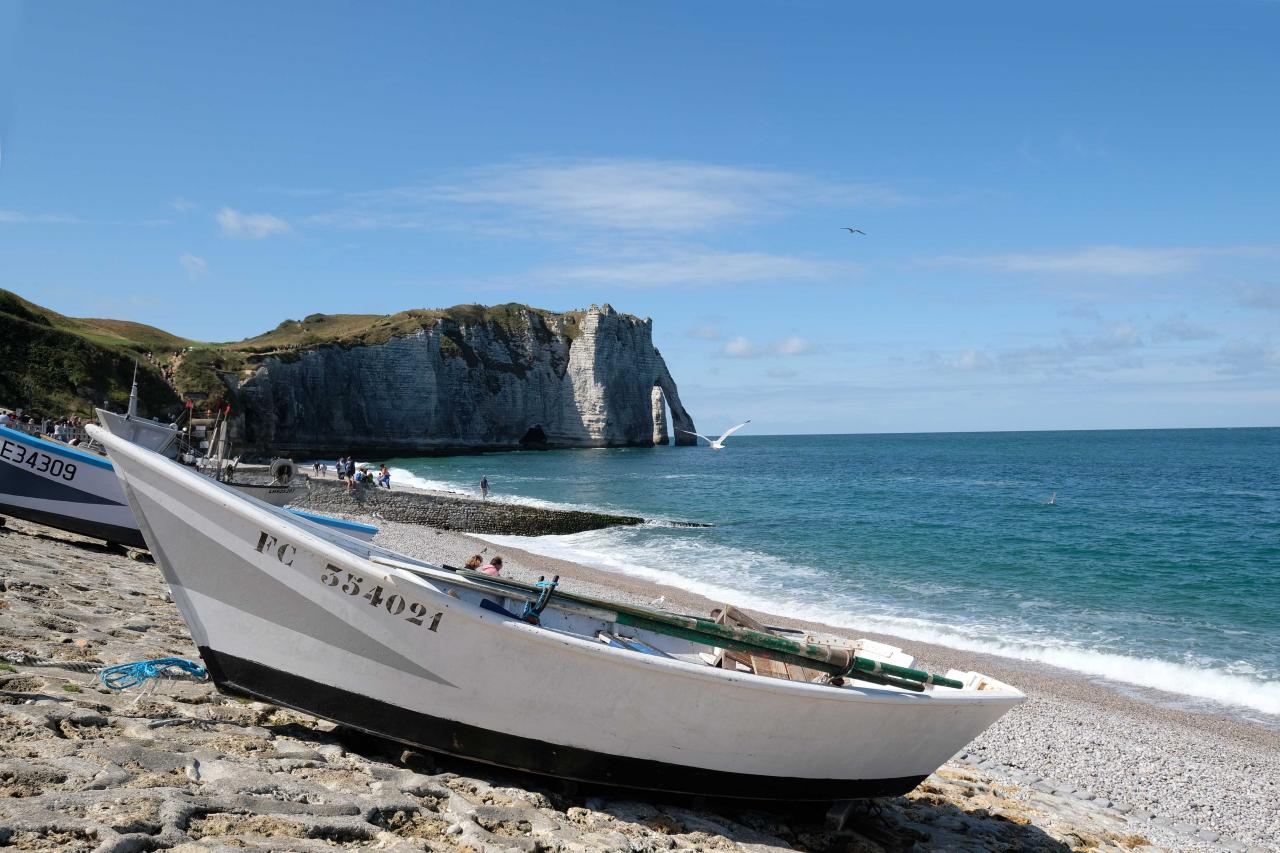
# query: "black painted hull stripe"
[[17, 481], [243, 677], [130, 536]]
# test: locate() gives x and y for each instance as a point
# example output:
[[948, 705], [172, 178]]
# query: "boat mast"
[[132, 411]]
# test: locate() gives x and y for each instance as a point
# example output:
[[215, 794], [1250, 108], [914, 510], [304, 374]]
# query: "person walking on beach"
[[484, 495], [351, 467], [494, 568], [340, 468]]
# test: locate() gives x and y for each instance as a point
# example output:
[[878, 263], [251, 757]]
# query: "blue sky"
[[1070, 211]]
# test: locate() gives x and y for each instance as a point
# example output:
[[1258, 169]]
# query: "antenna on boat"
[[132, 411]]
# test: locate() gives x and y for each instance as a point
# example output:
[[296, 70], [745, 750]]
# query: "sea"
[[1148, 558]]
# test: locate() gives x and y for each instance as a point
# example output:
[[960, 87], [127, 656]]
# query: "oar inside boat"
[[834, 661]]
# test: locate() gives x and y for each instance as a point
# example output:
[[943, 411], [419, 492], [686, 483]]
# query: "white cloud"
[[652, 195], [792, 345], [610, 195], [1179, 328], [17, 217], [965, 360], [699, 266], [1104, 260], [740, 347], [183, 205], [249, 226], [1244, 358], [705, 332], [1112, 347], [194, 265], [1260, 296]]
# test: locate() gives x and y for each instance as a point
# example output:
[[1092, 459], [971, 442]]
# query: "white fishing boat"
[[153, 435], [59, 486], [51, 483], [157, 437], [532, 677], [286, 484]]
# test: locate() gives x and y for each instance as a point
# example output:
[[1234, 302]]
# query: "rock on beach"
[[174, 765]]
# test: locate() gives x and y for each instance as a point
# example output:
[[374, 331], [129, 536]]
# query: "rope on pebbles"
[[21, 658]]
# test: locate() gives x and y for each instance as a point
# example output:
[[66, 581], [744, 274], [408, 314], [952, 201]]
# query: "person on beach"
[[494, 568], [484, 488], [351, 467], [315, 468], [384, 476], [340, 467], [474, 562]]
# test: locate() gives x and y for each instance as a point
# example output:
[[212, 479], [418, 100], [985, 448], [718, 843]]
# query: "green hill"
[[60, 365]]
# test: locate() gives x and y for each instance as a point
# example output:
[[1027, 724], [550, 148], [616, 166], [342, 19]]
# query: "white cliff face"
[[547, 381]]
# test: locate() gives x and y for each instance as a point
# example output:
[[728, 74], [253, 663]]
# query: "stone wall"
[[447, 512]]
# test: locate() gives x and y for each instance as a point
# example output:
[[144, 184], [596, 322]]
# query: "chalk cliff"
[[499, 378]]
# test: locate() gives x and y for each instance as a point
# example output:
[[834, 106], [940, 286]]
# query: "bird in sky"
[[717, 443], [855, 230]]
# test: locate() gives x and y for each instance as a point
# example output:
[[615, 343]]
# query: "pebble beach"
[[174, 765]]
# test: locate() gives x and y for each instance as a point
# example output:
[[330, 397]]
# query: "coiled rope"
[[126, 675]]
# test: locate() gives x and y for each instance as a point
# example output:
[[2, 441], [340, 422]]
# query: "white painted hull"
[[264, 599], [59, 486]]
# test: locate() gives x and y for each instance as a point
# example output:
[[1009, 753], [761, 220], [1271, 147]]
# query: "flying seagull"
[[718, 443], [855, 230]]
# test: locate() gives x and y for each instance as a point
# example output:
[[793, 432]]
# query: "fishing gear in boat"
[[833, 661], [533, 609]]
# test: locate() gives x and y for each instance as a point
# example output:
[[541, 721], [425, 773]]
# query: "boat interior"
[[552, 609]]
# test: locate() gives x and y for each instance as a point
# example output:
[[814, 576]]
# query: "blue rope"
[[127, 675]]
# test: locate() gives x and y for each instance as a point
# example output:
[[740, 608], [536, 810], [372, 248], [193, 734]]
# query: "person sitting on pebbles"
[[494, 568]]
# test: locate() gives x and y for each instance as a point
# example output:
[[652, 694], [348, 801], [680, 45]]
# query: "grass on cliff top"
[[117, 333], [353, 330]]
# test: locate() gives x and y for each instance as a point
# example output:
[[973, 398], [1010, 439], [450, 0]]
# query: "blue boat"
[[50, 483]]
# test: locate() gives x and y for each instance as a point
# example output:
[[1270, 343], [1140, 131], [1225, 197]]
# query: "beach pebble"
[[179, 766]]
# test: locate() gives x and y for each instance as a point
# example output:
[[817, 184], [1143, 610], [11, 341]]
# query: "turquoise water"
[[1159, 565]]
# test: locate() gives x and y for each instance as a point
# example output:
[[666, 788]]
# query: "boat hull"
[[240, 677], [281, 614], [52, 484], [49, 483]]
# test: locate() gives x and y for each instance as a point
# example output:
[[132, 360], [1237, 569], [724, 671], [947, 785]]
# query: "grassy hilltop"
[[58, 365]]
